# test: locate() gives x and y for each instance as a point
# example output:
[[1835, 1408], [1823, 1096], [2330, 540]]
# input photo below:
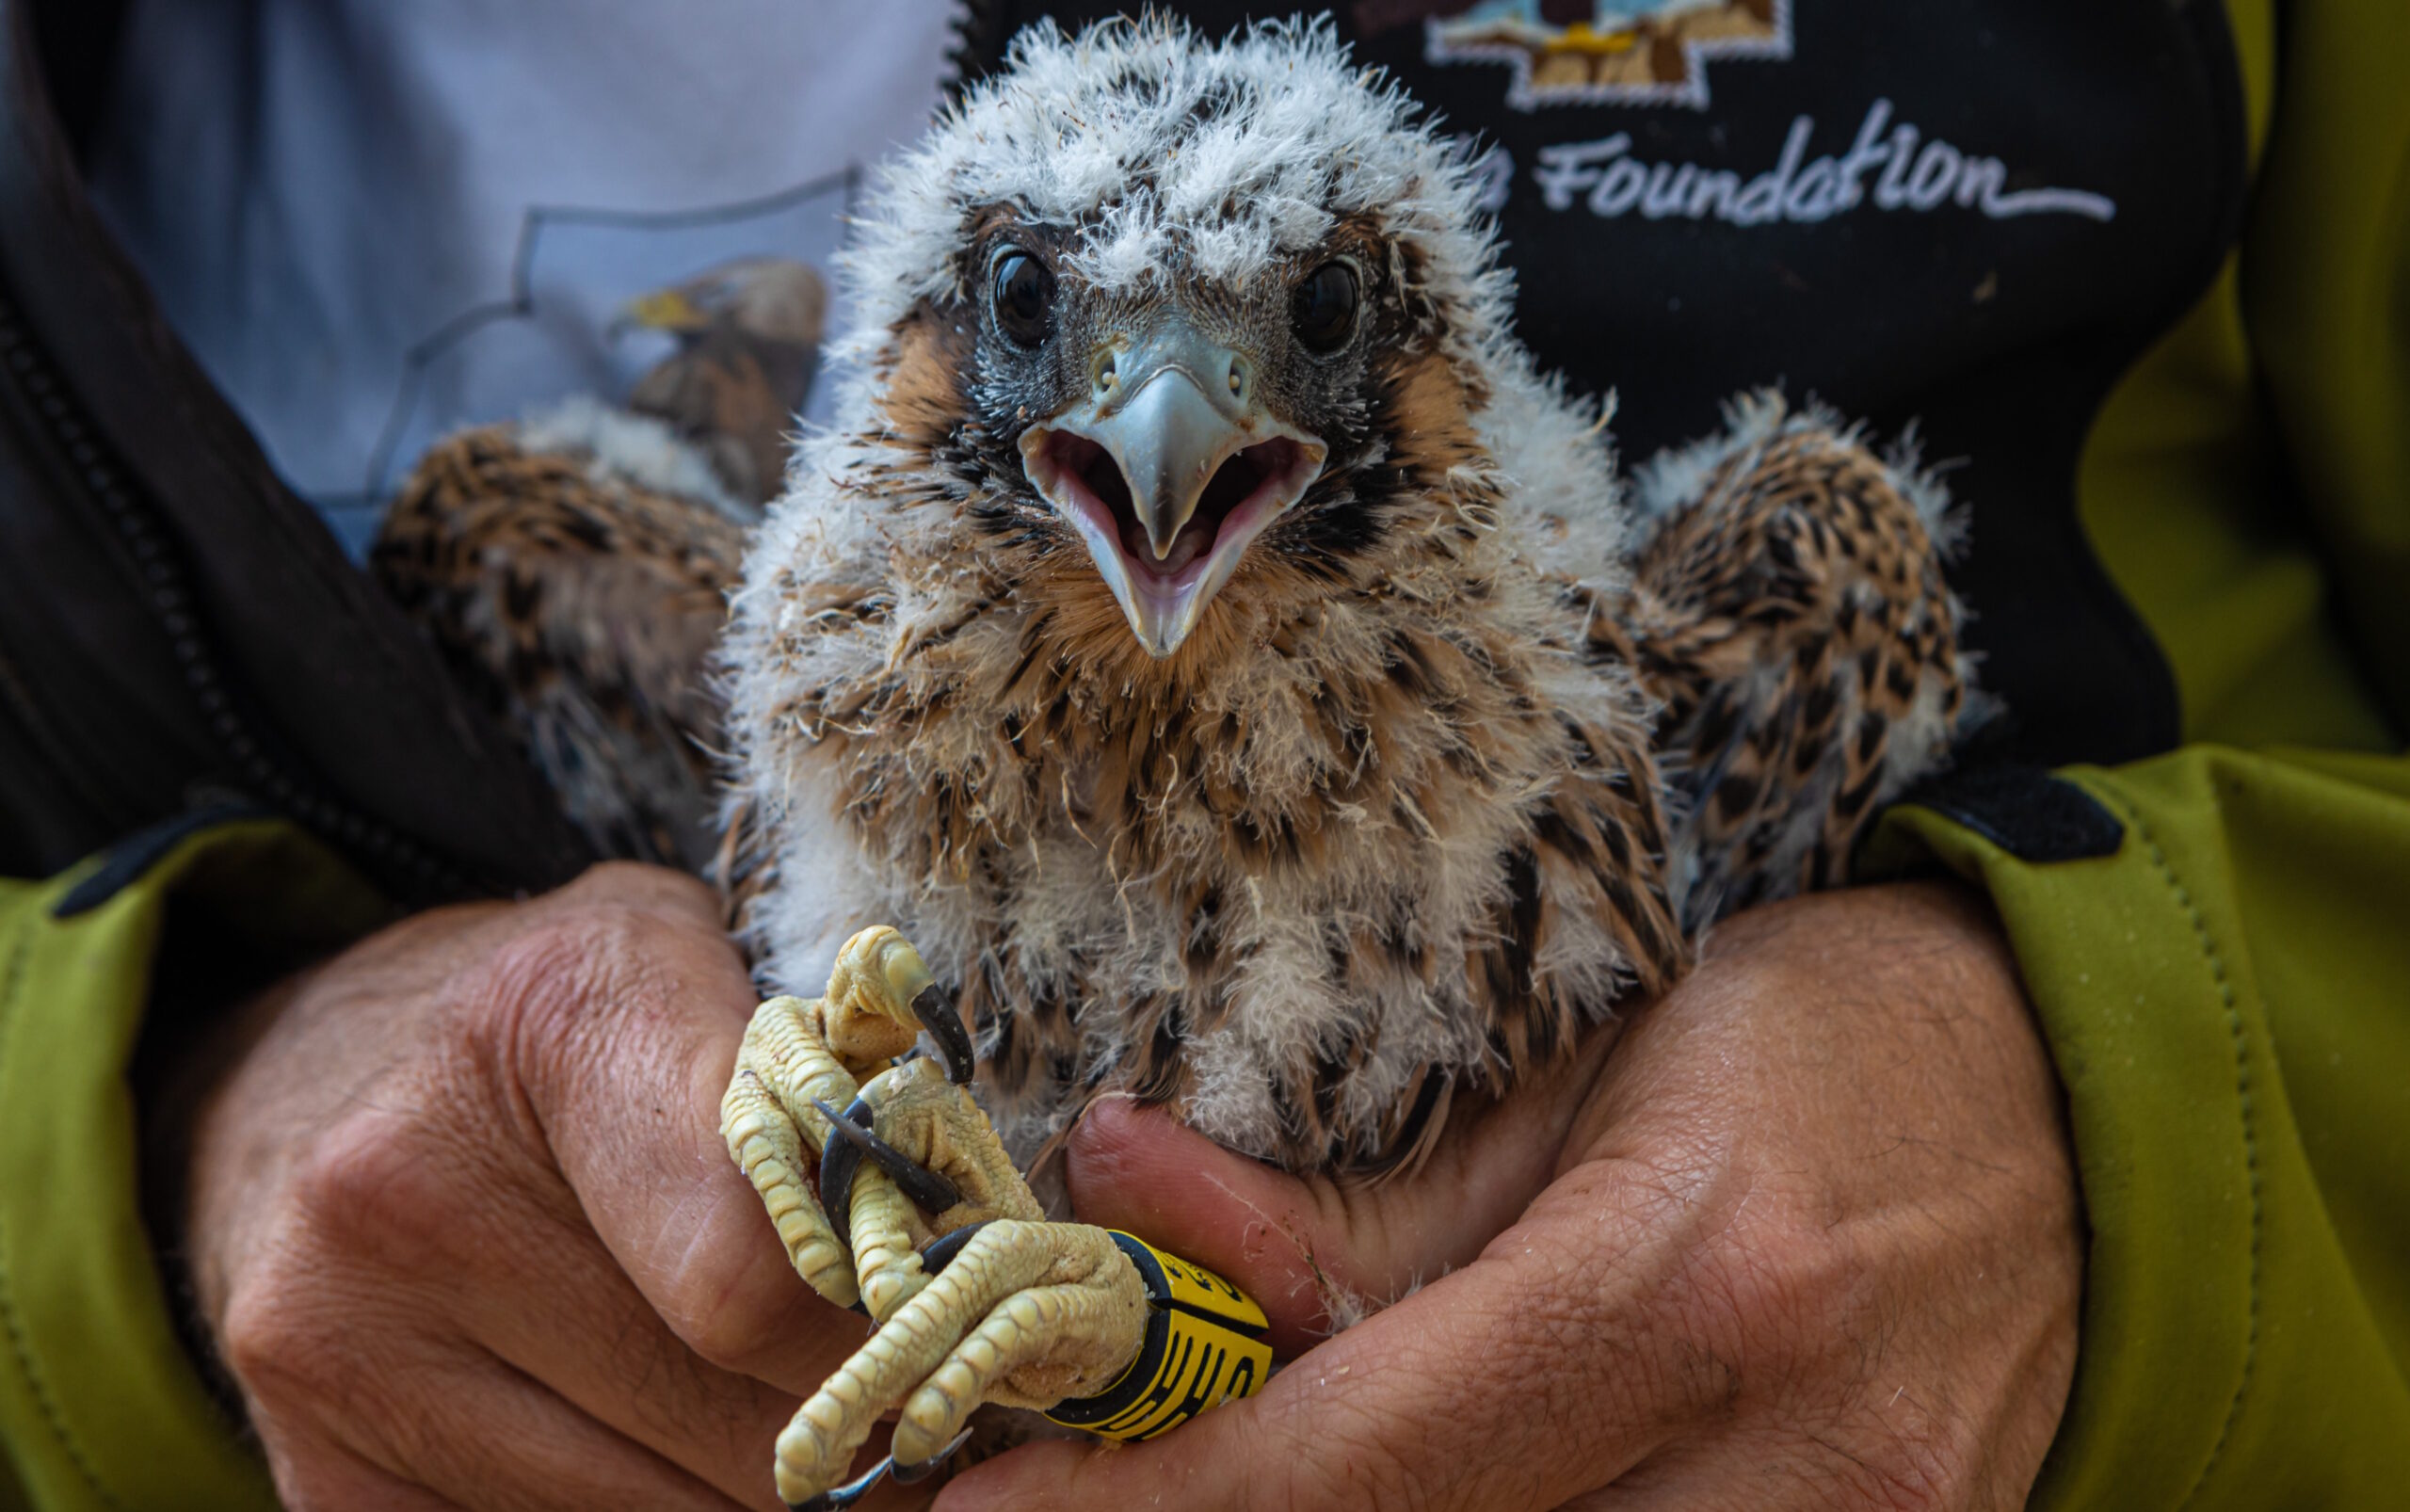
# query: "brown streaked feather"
[[1793, 622], [1420, 725], [581, 608], [1783, 622]]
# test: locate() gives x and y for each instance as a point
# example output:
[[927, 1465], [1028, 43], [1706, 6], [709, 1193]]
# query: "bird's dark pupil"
[[1023, 291], [1325, 307]]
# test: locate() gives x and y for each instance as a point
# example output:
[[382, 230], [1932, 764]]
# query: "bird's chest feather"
[[1379, 862]]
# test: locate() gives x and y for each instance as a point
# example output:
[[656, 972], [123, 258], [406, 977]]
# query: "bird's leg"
[[977, 1298], [1096, 1329], [971, 1308], [800, 1052], [1018, 1313]]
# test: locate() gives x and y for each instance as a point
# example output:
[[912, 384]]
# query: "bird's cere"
[[1168, 472]]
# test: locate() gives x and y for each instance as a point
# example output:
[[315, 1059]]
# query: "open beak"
[[1169, 470]]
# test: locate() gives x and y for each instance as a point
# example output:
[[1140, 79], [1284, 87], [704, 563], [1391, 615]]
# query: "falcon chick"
[[1222, 654], [1241, 675]]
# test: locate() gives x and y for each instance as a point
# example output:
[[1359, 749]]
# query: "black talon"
[[847, 1494], [932, 1192], [945, 1026], [941, 1252], [906, 1474], [838, 1160]]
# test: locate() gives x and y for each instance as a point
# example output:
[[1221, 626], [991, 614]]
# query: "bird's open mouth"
[[1245, 494], [1164, 584]]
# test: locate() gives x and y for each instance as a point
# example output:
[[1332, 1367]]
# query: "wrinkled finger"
[[619, 1031], [445, 1415], [336, 1480], [720, 1427], [479, 1435], [1756, 1468], [1311, 1250], [420, 1231], [570, 1320], [674, 894]]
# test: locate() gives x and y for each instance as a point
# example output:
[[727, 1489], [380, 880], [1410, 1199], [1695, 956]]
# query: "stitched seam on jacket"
[[2247, 1115], [11, 980]]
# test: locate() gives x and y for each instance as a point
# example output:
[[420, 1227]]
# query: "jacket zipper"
[[233, 723]]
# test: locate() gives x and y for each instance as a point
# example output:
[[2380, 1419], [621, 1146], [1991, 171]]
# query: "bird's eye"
[[1324, 307], [1024, 297]]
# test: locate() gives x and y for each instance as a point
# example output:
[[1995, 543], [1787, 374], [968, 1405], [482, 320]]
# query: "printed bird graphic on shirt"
[[573, 567]]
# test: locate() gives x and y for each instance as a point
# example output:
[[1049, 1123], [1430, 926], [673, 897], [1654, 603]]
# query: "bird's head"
[[1171, 430], [770, 299], [1196, 331]]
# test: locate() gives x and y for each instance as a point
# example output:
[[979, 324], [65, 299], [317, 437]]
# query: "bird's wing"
[[1789, 612], [581, 604]]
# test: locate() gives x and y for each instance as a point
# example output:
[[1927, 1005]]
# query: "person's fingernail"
[[1107, 1114]]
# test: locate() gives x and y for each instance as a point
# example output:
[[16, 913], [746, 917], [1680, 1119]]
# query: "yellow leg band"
[[1205, 1344]]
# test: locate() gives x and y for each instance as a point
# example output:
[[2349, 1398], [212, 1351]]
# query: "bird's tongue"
[[1163, 596], [1195, 540], [1233, 485]]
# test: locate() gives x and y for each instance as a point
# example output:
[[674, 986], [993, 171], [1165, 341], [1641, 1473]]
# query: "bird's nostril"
[[1238, 377], [1105, 375]]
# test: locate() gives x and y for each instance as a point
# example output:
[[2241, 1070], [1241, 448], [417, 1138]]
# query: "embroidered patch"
[[1602, 52]]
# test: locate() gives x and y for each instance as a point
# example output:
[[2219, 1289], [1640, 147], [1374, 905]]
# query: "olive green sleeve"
[[2227, 996], [100, 1409], [2247, 482], [2227, 1001], [2327, 304]]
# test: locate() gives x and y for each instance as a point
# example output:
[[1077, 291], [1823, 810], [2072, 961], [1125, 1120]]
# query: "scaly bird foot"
[[978, 1300], [802, 1051], [1018, 1313], [915, 1159]]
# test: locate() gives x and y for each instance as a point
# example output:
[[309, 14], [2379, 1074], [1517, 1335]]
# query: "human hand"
[[463, 1230], [1807, 1237]]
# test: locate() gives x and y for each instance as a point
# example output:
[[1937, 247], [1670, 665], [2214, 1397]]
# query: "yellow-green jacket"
[[2226, 990]]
